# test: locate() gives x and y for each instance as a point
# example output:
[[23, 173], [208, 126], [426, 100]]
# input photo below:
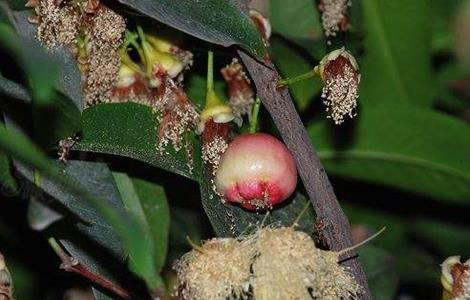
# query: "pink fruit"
[[257, 171]]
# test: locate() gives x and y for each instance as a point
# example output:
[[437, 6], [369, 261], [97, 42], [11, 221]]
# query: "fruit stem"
[[362, 243], [301, 77], [210, 70], [254, 116]]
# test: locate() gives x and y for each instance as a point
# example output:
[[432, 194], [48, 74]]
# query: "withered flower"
[[241, 94], [455, 278], [340, 75], [334, 16]]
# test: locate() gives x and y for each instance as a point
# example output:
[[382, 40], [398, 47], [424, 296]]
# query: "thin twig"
[[71, 264]]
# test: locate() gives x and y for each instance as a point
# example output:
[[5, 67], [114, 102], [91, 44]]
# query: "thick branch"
[[281, 108]]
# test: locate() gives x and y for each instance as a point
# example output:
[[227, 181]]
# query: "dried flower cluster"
[[340, 75], [241, 94], [94, 34], [334, 16], [56, 25], [272, 263], [6, 288], [178, 118], [456, 278]]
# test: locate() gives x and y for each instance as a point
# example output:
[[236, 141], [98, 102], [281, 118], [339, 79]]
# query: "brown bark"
[[278, 102]]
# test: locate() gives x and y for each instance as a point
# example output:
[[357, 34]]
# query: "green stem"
[[254, 116], [288, 81], [210, 71]]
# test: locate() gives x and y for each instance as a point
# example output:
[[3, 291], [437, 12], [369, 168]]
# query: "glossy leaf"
[[396, 67], [128, 129], [216, 21], [417, 150], [299, 22]]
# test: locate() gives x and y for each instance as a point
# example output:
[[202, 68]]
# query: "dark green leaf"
[[129, 129], [447, 238], [381, 275], [97, 232], [413, 149], [14, 90], [216, 21], [299, 22], [397, 63], [129, 231], [292, 63]]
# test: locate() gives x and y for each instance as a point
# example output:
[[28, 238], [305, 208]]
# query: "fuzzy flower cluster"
[[56, 25], [93, 34], [340, 75], [455, 278], [334, 16], [272, 263]]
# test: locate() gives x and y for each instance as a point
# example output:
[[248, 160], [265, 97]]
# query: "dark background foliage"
[[403, 162]]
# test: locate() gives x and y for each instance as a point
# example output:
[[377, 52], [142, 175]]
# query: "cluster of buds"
[[163, 60], [340, 75], [334, 16], [455, 279], [271, 263]]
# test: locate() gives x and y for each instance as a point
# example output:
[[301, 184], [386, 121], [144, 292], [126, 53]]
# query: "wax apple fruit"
[[257, 171]]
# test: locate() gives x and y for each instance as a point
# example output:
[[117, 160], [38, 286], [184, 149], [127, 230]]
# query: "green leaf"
[[147, 202], [448, 239], [443, 13], [292, 63], [216, 21], [417, 150], [128, 229], [90, 239], [129, 129], [299, 22], [397, 65], [380, 272]]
